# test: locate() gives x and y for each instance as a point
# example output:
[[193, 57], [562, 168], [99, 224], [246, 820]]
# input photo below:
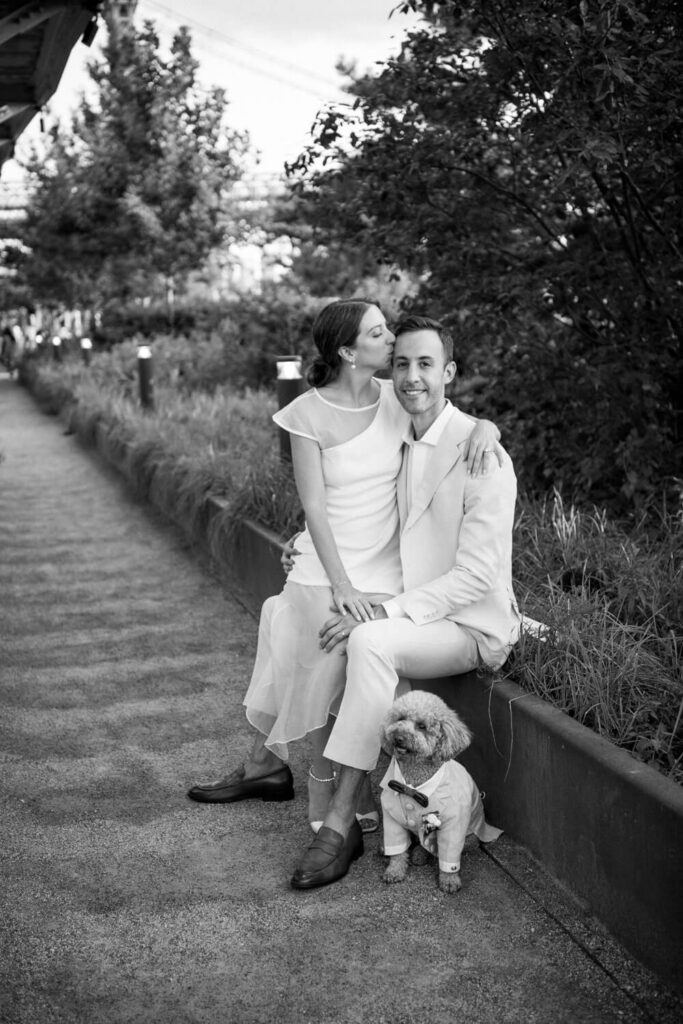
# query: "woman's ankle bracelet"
[[316, 779]]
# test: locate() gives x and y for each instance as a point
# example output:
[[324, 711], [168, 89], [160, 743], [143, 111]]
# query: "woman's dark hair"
[[335, 326]]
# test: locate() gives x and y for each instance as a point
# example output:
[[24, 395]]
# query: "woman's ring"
[[488, 451]]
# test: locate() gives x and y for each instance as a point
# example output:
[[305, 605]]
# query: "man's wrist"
[[392, 609], [379, 612]]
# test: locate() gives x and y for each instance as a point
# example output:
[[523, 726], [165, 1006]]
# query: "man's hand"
[[289, 553], [336, 631]]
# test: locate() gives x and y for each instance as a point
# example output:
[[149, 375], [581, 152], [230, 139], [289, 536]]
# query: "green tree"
[[324, 267], [523, 159], [136, 192]]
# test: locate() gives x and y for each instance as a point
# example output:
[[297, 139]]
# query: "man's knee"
[[366, 639]]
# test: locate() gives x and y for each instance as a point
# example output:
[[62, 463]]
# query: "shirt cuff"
[[393, 609]]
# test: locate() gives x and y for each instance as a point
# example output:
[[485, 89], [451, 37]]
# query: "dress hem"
[[283, 752]]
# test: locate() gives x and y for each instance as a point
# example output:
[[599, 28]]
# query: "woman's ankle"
[[320, 793], [322, 771]]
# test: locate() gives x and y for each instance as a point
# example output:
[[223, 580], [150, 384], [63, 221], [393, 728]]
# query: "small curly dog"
[[425, 793]]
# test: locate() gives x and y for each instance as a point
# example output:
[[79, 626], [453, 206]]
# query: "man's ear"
[[450, 372]]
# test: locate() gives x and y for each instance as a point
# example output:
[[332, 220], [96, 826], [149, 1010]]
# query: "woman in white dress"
[[346, 439]]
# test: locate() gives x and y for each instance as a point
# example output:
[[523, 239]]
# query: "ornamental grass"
[[611, 599]]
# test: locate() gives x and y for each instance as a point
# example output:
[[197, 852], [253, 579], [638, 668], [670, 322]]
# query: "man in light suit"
[[457, 610]]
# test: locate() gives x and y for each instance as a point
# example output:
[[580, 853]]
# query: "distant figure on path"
[[11, 344]]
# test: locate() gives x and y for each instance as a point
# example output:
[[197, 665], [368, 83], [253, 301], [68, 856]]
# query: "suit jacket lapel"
[[446, 454]]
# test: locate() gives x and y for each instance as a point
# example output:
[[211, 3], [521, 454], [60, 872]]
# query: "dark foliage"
[[236, 342], [523, 160]]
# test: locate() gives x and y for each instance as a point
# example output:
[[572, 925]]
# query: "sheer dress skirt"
[[295, 685]]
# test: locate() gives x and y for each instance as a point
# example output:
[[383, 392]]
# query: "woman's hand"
[[480, 446], [376, 599], [289, 553], [347, 599]]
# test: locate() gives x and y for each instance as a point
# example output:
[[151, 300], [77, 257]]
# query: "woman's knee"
[[267, 609]]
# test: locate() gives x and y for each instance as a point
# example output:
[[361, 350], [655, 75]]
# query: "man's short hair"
[[412, 322]]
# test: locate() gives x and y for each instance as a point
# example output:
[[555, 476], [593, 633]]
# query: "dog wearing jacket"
[[425, 793]]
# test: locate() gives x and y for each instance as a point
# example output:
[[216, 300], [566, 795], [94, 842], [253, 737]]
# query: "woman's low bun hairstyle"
[[335, 327]]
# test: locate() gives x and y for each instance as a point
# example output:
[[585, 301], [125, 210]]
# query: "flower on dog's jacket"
[[455, 801]]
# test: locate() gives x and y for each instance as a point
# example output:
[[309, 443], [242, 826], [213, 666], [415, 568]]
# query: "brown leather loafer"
[[278, 785], [328, 858]]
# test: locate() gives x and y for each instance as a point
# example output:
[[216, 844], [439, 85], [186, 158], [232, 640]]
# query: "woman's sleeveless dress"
[[295, 685]]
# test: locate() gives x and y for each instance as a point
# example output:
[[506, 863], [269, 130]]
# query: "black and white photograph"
[[341, 512]]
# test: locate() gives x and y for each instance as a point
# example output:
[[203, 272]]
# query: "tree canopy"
[[523, 160], [137, 190]]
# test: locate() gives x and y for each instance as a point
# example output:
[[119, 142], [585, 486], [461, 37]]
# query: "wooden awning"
[[36, 39]]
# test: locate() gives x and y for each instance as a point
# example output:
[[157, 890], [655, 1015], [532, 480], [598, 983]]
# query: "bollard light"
[[86, 350], [57, 348], [145, 376], [289, 368], [290, 384]]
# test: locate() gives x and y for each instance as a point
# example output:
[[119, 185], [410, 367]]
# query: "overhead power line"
[[214, 35]]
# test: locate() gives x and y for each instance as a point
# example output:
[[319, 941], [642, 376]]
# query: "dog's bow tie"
[[400, 787]]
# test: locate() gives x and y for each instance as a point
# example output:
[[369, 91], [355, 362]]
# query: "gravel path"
[[123, 666]]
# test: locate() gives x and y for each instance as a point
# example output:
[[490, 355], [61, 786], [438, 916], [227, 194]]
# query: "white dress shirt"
[[417, 454]]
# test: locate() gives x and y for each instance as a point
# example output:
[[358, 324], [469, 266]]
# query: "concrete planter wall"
[[607, 826], [604, 824]]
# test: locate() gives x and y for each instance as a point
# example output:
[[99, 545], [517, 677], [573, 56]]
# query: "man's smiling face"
[[420, 374]]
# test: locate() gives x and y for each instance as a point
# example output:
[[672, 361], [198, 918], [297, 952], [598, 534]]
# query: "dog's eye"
[[421, 725]]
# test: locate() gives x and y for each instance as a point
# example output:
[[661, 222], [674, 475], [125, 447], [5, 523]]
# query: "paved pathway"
[[123, 664]]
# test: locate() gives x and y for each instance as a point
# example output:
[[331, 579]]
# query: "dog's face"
[[420, 725]]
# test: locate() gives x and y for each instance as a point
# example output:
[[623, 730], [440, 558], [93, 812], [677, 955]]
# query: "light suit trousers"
[[379, 653]]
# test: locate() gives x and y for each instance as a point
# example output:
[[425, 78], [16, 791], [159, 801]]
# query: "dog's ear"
[[455, 736], [386, 722]]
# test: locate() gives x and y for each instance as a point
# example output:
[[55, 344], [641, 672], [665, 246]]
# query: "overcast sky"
[[275, 59]]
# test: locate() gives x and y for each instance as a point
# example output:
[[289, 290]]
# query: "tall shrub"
[[523, 161]]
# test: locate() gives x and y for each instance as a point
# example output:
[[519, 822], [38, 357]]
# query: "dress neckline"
[[348, 408]]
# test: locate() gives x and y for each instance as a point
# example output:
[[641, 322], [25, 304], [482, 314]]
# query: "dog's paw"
[[450, 882], [396, 869]]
